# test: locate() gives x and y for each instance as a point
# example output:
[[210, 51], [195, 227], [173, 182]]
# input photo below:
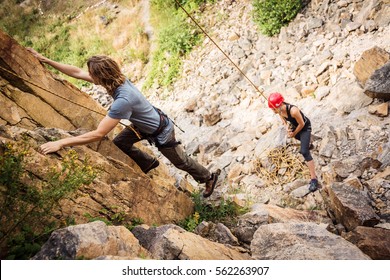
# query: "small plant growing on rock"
[[29, 203], [225, 211], [113, 215]]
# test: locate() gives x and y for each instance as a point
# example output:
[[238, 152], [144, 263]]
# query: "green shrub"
[[177, 36], [115, 216], [225, 212], [27, 203], [272, 15]]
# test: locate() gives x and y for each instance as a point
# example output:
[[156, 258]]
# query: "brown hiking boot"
[[210, 184]]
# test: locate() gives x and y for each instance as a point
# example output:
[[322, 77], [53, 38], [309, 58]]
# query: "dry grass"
[[64, 7], [119, 34]]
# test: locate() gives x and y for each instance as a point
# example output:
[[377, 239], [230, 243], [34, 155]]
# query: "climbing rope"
[[67, 99], [280, 158], [283, 166], [223, 52]]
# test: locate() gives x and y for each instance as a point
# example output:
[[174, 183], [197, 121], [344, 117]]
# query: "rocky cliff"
[[332, 61]]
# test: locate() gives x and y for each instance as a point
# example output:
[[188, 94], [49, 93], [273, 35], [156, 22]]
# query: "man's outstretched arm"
[[67, 69], [105, 126]]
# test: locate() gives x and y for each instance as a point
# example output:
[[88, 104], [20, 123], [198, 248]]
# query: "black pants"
[[304, 137], [171, 150]]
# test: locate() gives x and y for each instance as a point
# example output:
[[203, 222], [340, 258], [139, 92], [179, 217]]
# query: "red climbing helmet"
[[275, 100]]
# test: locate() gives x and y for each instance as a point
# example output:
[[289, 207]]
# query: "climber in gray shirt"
[[147, 121], [136, 108], [130, 104]]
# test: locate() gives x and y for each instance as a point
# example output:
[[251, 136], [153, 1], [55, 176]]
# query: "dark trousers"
[[171, 150], [304, 136]]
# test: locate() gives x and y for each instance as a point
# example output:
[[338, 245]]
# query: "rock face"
[[90, 241], [301, 241], [36, 97], [119, 189], [351, 206], [319, 62]]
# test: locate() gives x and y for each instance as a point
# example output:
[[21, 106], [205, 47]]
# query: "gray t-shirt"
[[130, 104]]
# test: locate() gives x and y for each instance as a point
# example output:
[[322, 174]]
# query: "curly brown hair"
[[105, 72]]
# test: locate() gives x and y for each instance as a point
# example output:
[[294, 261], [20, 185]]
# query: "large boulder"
[[90, 241], [171, 242], [378, 85], [301, 241], [351, 206], [347, 96], [285, 215], [263, 214], [370, 61]]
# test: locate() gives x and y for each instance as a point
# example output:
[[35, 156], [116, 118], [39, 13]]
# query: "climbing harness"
[[163, 122]]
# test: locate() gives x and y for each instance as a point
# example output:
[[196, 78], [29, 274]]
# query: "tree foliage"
[[272, 15]]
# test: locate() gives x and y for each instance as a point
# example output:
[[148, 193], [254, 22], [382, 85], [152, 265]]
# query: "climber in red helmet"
[[300, 129]]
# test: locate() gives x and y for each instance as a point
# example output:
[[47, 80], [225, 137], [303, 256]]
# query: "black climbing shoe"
[[313, 186], [154, 164]]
